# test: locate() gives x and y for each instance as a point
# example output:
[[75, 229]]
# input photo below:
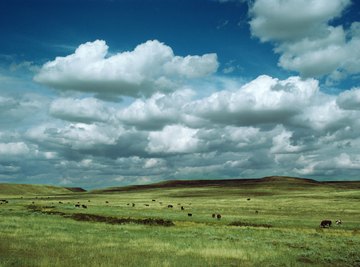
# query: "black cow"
[[84, 206], [133, 204], [154, 200], [147, 205], [213, 215], [182, 208], [106, 201], [325, 223], [170, 206], [77, 205], [248, 199], [338, 222], [218, 216], [189, 214]]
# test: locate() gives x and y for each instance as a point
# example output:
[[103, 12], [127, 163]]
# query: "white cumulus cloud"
[[84, 110], [304, 38], [173, 139], [150, 67]]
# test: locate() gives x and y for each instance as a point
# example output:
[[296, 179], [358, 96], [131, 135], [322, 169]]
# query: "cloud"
[[304, 38], [282, 144], [149, 68], [349, 100], [84, 110], [277, 20], [173, 139], [76, 136], [13, 149], [157, 111], [263, 100]]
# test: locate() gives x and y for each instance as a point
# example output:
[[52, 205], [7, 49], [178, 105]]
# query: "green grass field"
[[277, 226]]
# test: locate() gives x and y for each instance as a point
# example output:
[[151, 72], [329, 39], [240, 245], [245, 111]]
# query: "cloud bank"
[[151, 67], [304, 36], [179, 118], [262, 127]]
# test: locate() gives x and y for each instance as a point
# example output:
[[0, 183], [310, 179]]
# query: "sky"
[[116, 92]]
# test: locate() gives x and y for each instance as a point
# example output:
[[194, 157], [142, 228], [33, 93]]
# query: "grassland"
[[269, 222]]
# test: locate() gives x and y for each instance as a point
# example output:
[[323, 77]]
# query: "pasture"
[[272, 222]]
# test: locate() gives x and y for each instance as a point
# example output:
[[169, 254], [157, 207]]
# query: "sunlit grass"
[[31, 238]]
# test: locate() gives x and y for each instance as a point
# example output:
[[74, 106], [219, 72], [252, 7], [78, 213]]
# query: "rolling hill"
[[28, 189], [270, 181]]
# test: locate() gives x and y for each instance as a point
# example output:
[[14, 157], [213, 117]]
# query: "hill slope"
[[28, 189], [271, 181]]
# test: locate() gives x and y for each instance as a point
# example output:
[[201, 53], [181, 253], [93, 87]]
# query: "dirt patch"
[[238, 223], [85, 217], [114, 220]]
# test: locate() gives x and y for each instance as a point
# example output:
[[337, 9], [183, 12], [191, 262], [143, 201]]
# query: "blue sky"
[[40, 30], [97, 93]]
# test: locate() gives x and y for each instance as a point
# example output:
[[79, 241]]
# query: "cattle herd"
[[323, 223]]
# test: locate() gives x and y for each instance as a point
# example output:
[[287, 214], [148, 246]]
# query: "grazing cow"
[[133, 204], [170, 206], [84, 206], [189, 214], [147, 205], [325, 223], [128, 204], [77, 205], [248, 199], [256, 212], [182, 208], [213, 215], [218, 216], [60, 202], [338, 222], [154, 200], [106, 201]]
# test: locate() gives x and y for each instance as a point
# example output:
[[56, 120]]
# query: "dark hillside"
[[271, 181]]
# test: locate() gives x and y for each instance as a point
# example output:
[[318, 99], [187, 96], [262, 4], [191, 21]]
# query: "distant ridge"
[[29, 189], [75, 189], [275, 181]]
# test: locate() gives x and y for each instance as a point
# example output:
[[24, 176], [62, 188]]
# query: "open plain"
[[274, 221]]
